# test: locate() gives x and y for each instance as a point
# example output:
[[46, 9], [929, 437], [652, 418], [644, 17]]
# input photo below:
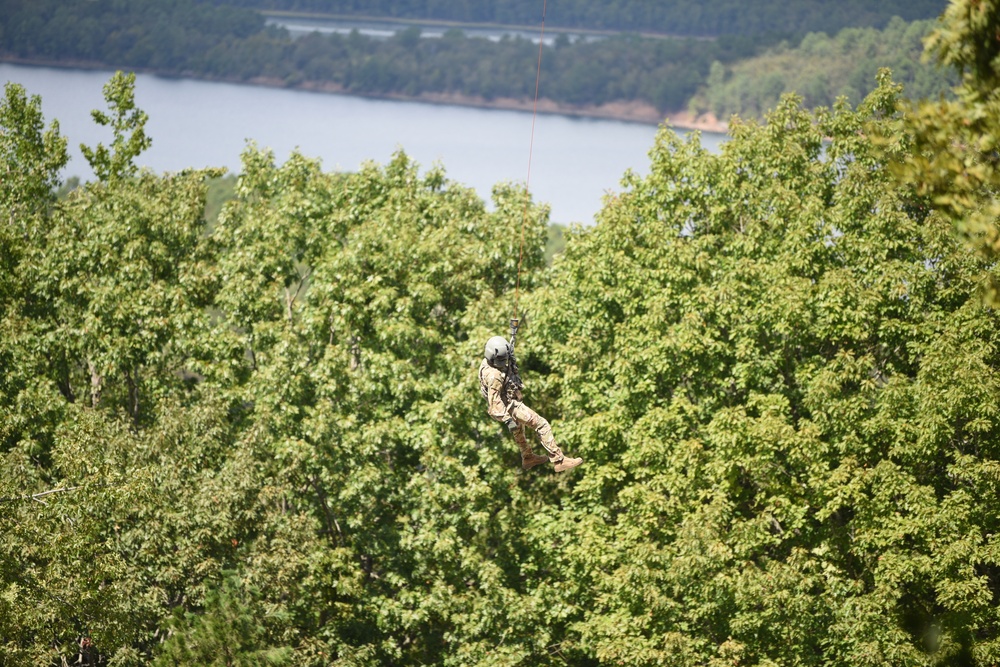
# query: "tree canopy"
[[261, 441], [955, 161], [822, 68]]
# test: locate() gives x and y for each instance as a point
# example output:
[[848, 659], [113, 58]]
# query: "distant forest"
[[822, 68], [728, 74], [680, 17]]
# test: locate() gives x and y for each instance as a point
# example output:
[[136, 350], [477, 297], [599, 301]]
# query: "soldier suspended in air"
[[501, 386]]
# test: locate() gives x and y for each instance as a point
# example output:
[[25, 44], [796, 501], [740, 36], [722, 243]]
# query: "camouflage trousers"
[[525, 416]]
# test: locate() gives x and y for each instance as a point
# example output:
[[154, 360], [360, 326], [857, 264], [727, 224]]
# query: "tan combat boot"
[[531, 460], [528, 458], [565, 463]]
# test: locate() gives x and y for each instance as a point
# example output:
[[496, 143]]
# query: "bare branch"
[[37, 496]]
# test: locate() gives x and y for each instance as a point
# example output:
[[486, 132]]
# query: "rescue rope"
[[527, 181]]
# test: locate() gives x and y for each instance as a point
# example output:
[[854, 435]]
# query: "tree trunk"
[[95, 384], [132, 379]]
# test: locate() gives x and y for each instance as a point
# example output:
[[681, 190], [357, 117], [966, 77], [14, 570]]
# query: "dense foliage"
[[782, 373], [188, 38], [956, 161], [142, 33], [823, 68], [679, 17], [264, 443]]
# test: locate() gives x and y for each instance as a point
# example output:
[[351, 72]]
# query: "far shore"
[[628, 111]]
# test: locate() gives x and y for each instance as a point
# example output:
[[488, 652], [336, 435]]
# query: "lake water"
[[206, 124], [298, 26]]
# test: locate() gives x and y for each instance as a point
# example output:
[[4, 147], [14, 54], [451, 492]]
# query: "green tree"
[[954, 157], [356, 371], [127, 122], [107, 309], [225, 634], [822, 68], [32, 157], [758, 354], [30, 160]]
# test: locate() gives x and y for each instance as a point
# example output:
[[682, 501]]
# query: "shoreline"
[[625, 111], [432, 23]]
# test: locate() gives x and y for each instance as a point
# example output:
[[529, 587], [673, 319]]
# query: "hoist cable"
[[531, 147]]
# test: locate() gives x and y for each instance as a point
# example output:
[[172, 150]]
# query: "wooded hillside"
[[741, 73], [264, 443], [823, 68]]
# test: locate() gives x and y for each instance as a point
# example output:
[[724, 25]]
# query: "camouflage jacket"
[[491, 384]]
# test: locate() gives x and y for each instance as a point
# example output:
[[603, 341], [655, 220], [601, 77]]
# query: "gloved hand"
[[511, 425]]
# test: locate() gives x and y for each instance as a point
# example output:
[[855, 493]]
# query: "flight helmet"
[[498, 350]]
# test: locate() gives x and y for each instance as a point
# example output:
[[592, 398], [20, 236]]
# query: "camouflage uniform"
[[505, 406]]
